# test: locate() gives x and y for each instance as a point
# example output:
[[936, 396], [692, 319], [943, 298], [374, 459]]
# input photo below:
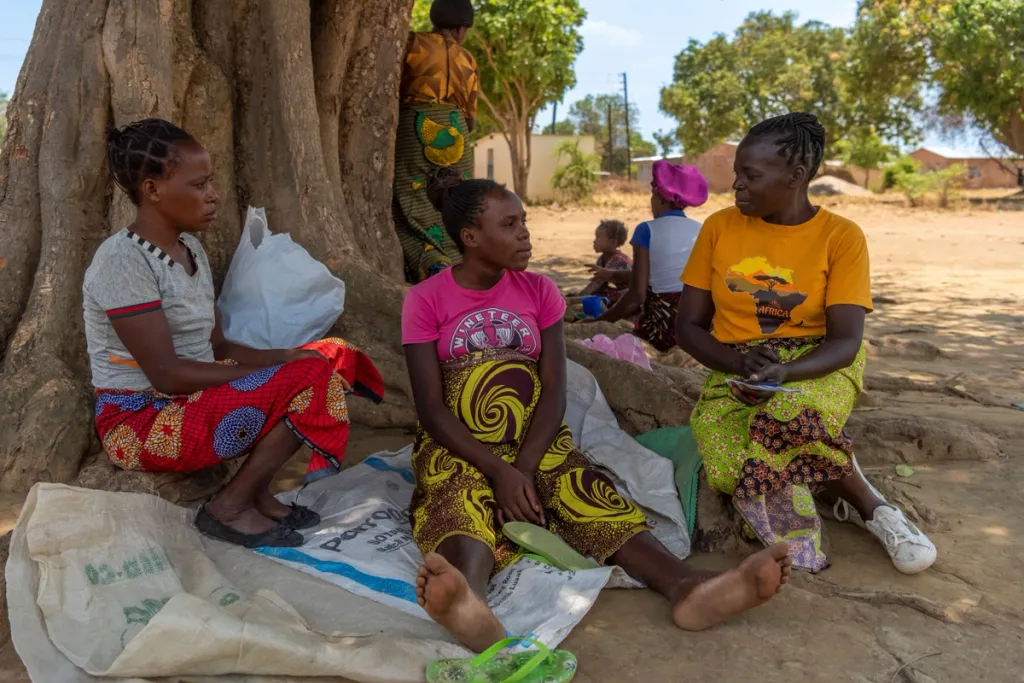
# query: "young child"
[[613, 265]]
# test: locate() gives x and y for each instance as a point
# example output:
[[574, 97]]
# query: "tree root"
[[918, 603]]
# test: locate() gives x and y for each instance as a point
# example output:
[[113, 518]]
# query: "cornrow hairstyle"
[[452, 14], [801, 138], [616, 230], [141, 150], [459, 201]]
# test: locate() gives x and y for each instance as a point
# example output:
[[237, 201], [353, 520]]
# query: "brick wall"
[[982, 173]]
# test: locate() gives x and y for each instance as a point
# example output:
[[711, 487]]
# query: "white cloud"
[[605, 33]]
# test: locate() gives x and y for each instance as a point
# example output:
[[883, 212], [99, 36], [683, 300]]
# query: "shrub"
[[578, 176], [903, 165]]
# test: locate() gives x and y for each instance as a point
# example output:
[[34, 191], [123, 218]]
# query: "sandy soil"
[[945, 346]]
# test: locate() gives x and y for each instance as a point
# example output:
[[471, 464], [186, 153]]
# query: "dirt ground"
[[946, 364], [945, 345]]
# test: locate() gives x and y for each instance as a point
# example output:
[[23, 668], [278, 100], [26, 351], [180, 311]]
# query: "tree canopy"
[[590, 117], [770, 66], [968, 51], [526, 51]]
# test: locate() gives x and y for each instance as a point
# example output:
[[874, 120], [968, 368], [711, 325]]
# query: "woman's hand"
[[749, 397], [772, 373], [516, 498], [756, 360]]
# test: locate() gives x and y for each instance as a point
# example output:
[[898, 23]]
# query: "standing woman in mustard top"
[[439, 91], [776, 290]]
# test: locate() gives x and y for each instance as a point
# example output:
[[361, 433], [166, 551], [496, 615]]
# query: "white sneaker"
[[910, 550]]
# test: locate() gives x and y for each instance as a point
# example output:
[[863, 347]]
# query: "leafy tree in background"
[[561, 128], [590, 117], [770, 66], [773, 65], [968, 50], [978, 47], [576, 178], [526, 50], [908, 179], [668, 143], [903, 165], [865, 148]]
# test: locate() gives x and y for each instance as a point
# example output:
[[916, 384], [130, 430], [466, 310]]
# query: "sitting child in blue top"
[[661, 248], [612, 262]]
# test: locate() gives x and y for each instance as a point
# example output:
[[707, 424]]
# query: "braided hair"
[[459, 201], [142, 150], [452, 14], [801, 138], [616, 230]]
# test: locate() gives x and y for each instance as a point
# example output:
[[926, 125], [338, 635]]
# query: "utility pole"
[[611, 140], [554, 118], [629, 150]]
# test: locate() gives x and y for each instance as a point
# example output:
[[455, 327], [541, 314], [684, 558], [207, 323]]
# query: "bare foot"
[[753, 583], [444, 593], [272, 507], [248, 521]]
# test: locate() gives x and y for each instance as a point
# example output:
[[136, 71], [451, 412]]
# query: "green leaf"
[[903, 470]]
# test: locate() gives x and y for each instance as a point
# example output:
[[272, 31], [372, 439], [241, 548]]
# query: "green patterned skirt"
[[770, 457], [429, 136]]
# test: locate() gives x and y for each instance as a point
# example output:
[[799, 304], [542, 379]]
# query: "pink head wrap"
[[681, 185]]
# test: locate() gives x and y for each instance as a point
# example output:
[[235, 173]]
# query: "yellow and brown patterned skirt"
[[495, 394]]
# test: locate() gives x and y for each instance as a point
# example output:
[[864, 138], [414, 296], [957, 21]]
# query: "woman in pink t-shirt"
[[486, 357]]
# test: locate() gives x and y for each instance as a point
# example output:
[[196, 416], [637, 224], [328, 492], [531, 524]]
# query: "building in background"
[[982, 172], [492, 160], [716, 165]]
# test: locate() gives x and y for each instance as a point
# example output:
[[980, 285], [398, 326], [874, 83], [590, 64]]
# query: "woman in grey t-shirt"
[[172, 393]]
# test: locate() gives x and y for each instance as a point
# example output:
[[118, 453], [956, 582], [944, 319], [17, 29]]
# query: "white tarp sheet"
[[121, 585]]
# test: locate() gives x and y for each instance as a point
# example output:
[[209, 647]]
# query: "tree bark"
[[296, 100]]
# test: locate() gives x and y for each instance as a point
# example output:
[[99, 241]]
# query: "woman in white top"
[[661, 248], [172, 394]]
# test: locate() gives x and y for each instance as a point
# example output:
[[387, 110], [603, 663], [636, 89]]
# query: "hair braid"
[[459, 201], [801, 138], [141, 150]]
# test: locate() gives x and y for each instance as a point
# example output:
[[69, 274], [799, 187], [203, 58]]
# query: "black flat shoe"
[[281, 536], [301, 517]]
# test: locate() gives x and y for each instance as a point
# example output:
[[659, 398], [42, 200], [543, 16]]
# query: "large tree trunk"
[[297, 101]]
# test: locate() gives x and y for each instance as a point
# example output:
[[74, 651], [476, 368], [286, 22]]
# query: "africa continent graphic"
[[771, 287]]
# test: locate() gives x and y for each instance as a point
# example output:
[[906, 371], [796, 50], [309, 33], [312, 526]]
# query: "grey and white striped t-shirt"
[[131, 276]]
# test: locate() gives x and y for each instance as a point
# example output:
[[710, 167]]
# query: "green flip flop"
[[547, 545], [542, 665]]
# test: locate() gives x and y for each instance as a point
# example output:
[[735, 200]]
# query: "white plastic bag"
[[277, 296]]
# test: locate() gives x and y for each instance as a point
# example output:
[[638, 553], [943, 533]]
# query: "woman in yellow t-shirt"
[[776, 291]]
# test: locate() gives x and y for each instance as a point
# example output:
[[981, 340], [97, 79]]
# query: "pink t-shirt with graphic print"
[[511, 314]]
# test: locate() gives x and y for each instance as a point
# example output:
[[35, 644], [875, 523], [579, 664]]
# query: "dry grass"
[[618, 193]]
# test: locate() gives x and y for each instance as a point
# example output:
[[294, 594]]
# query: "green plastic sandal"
[[542, 665], [549, 546]]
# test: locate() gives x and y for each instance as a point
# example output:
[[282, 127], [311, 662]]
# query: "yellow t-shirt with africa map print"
[[776, 280]]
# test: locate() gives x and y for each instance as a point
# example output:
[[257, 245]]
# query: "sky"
[[639, 37]]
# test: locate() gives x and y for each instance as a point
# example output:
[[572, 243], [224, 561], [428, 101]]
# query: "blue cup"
[[593, 306]]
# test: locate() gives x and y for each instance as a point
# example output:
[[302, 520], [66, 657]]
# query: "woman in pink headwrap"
[[661, 248]]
